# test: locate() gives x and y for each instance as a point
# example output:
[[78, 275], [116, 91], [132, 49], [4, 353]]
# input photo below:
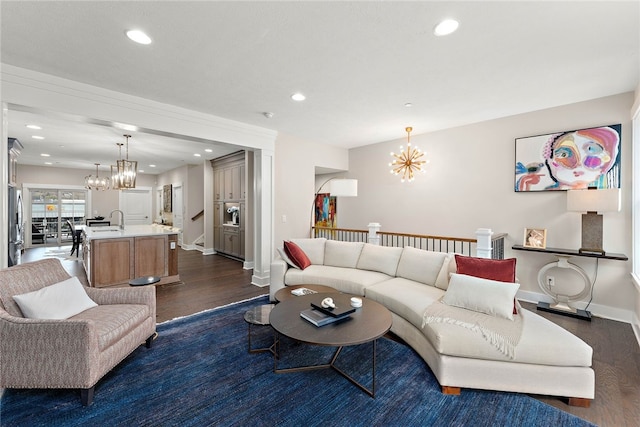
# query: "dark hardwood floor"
[[208, 281], [211, 281]]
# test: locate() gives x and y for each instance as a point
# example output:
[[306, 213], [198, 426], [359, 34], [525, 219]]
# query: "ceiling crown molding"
[[30, 88]]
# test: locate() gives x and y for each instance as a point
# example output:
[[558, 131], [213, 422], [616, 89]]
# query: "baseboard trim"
[[636, 330], [261, 282], [598, 310]]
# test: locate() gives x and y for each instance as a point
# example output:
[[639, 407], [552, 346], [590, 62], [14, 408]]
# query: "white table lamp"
[[593, 201]]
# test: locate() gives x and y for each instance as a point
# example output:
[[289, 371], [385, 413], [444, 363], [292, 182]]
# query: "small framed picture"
[[535, 238]]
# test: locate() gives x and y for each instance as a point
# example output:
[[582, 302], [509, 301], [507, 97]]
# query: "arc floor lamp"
[[337, 187]]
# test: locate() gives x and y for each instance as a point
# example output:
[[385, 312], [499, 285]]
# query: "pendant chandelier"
[[408, 162], [123, 174], [96, 183]]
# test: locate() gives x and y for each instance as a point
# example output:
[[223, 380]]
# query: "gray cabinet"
[[232, 244], [218, 184], [217, 227], [229, 187], [232, 182]]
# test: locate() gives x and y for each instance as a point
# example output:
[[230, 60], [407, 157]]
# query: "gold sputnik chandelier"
[[408, 162]]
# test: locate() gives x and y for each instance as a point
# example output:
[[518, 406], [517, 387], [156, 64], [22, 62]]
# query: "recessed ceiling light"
[[408, 104], [138, 36], [37, 137], [208, 150], [140, 170], [152, 166], [127, 127], [48, 163], [445, 27], [298, 97], [35, 127], [197, 155], [45, 155]]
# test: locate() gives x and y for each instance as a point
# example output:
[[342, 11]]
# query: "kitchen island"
[[112, 257]]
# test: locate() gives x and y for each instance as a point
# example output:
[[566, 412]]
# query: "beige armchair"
[[75, 352]]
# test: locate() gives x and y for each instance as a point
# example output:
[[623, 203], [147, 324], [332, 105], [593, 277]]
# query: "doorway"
[[136, 203], [49, 210], [178, 210]]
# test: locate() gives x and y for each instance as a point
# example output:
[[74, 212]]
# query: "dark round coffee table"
[[366, 324], [285, 293]]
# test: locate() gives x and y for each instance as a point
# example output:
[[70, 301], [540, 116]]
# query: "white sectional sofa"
[[546, 360]]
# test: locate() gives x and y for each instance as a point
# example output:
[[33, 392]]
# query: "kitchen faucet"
[[121, 217]]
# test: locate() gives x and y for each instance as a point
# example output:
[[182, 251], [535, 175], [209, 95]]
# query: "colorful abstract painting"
[[569, 160], [325, 211]]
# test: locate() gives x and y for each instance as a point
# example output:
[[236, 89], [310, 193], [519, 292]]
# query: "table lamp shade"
[[593, 201], [344, 187]]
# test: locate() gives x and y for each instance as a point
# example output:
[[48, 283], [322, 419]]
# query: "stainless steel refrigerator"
[[16, 218], [16, 226]]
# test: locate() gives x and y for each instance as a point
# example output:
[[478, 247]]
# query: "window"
[[49, 210]]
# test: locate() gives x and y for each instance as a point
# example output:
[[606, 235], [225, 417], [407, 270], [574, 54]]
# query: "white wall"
[[469, 184], [194, 202], [294, 182], [635, 114]]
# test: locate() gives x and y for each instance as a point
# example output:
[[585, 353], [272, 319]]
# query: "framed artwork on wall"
[[325, 211], [535, 238], [166, 198], [569, 160]]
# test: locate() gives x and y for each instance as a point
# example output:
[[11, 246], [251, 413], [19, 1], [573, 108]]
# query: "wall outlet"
[[173, 245], [284, 218], [551, 281]]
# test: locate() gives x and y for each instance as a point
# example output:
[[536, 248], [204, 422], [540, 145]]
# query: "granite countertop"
[[114, 232]]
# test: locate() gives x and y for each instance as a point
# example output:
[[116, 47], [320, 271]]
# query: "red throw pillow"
[[297, 255], [500, 270]]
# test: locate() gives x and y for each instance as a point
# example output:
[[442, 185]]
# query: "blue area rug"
[[199, 373]]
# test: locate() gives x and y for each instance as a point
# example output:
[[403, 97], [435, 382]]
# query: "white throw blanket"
[[504, 334]]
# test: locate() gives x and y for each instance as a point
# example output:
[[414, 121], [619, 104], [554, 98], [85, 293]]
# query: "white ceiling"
[[357, 62]]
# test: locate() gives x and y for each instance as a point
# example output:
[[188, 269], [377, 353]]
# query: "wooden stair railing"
[[461, 245]]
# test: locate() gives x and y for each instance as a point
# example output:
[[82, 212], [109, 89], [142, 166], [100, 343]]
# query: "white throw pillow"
[[286, 258], [482, 295], [59, 301]]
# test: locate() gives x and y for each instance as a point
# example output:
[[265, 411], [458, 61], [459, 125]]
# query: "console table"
[[561, 305]]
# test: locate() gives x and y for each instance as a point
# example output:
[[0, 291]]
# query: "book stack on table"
[[321, 316]]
